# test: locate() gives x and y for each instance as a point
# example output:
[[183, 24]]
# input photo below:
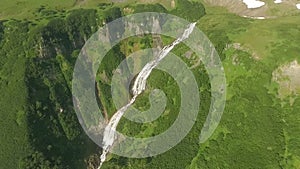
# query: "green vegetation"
[[191, 11], [14, 97], [36, 73], [257, 129], [149, 8], [254, 121], [34, 9], [41, 130]]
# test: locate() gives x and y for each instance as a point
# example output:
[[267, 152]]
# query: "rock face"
[[257, 9], [151, 20], [173, 4], [287, 76], [239, 7], [66, 41]]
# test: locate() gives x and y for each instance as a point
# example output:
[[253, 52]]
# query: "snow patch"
[[255, 17], [253, 3], [259, 17], [278, 1]]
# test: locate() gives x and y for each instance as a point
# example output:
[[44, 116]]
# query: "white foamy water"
[[139, 86], [253, 3], [298, 6], [278, 1]]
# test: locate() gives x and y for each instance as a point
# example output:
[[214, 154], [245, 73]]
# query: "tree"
[[191, 11], [81, 23], [37, 160], [112, 14]]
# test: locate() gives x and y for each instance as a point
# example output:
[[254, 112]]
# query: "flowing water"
[[138, 87]]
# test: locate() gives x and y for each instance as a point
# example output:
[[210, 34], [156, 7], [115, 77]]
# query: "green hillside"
[[40, 42]]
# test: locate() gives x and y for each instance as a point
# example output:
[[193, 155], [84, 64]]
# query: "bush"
[[191, 11]]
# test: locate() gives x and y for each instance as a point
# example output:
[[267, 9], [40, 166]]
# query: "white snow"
[[259, 17], [278, 1], [255, 17], [253, 3], [298, 6]]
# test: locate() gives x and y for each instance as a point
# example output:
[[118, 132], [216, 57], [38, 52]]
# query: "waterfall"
[[138, 87]]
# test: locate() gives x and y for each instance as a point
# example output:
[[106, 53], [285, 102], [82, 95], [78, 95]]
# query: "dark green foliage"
[[43, 126], [49, 80], [55, 37], [112, 14], [104, 6], [109, 63], [1, 30], [147, 41], [40, 126], [220, 41], [66, 67], [149, 8], [191, 11], [37, 160], [15, 39], [13, 101], [81, 24]]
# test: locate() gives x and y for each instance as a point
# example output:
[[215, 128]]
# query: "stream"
[[138, 87]]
